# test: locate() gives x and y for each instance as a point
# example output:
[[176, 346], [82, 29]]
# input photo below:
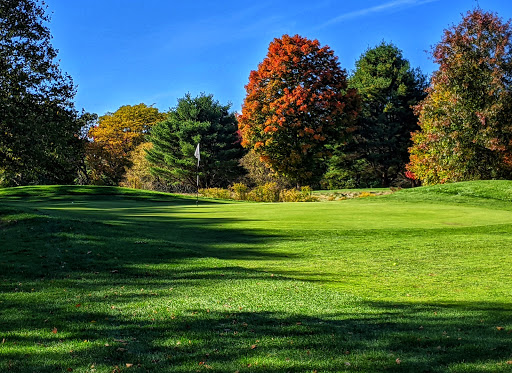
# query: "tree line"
[[304, 120]]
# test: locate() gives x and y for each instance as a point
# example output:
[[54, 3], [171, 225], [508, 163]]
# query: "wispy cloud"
[[389, 6], [232, 26]]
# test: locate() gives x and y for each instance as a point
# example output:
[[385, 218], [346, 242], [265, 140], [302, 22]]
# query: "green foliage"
[[377, 153], [466, 127], [39, 126], [347, 171], [197, 120]]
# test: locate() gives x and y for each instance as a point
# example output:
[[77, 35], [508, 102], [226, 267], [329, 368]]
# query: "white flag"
[[197, 154]]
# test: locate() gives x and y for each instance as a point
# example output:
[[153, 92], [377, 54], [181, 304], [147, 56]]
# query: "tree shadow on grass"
[[110, 289], [85, 192], [56, 239], [383, 338]]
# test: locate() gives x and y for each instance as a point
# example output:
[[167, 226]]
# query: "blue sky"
[[124, 52]]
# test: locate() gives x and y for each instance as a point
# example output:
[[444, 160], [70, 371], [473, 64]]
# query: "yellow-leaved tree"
[[113, 139], [138, 174]]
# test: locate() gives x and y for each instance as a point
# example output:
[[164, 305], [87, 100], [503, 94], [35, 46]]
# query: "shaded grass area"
[[93, 280], [65, 191]]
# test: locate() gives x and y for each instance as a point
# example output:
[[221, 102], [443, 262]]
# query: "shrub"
[[255, 194], [239, 191], [293, 195], [306, 190], [270, 192], [366, 194], [265, 193], [215, 193], [289, 195]]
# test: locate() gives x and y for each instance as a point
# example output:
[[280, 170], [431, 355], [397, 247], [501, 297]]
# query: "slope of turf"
[[110, 279], [473, 192]]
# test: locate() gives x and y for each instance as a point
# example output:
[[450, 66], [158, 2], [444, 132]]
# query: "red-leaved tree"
[[297, 105]]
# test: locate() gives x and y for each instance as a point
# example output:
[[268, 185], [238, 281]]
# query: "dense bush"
[[264, 193], [294, 195], [347, 172], [269, 192], [239, 191], [215, 193]]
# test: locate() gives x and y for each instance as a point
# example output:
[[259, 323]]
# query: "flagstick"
[[197, 154]]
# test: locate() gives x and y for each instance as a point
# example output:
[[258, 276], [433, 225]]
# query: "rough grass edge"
[[271, 192]]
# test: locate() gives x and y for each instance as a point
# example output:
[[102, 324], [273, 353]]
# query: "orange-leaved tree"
[[114, 137], [297, 106]]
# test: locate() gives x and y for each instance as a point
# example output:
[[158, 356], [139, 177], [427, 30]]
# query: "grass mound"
[[482, 191]]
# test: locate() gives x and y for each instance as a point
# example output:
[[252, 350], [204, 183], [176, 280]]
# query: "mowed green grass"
[[113, 280]]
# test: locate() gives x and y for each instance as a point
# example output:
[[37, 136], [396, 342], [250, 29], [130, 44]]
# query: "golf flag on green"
[[197, 154]]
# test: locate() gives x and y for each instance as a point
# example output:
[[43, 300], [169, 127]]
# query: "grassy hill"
[[110, 279], [479, 192]]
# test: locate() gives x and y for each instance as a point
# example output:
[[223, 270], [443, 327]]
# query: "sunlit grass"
[[107, 279]]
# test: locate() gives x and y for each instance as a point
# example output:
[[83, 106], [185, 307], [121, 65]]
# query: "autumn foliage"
[[466, 127], [297, 104], [138, 175], [115, 137]]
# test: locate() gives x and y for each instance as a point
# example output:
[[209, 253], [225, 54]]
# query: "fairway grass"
[[98, 279]]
